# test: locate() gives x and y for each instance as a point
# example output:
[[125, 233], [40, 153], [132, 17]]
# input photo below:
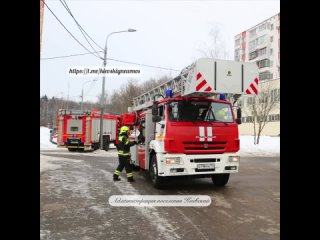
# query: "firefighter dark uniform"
[[124, 155]]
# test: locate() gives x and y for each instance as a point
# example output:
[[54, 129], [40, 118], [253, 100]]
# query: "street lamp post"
[[103, 84], [82, 91]]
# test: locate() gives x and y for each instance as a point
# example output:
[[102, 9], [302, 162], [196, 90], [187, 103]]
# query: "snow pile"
[[268, 146], [45, 139]]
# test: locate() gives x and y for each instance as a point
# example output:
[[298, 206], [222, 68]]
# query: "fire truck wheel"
[[72, 149], [106, 143], [157, 181], [220, 179]]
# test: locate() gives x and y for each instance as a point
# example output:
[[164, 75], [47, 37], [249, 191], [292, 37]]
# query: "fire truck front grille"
[[204, 148], [205, 160], [199, 143], [210, 146]]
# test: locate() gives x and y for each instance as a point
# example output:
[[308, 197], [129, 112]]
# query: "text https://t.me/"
[[160, 200], [108, 71]]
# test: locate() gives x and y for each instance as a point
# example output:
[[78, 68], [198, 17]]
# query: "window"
[[161, 112], [253, 33], [273, 118], [252, 45], [271, 26], [263, 98], [237, 42], [275, 95], [253, 55], [251, 100], [262, 27], [271, 39], [271, 51], [249, 119], [74, 129], [262, 39], [74, 126], [263, 63], [142, 128], [262, 51], [265, 75], [199, 111], [237, 55]]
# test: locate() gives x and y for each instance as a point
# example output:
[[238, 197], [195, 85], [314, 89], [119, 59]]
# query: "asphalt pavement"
[[75, 189]]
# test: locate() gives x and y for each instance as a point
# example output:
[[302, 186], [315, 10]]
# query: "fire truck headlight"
[[234, 158], [173, 160]]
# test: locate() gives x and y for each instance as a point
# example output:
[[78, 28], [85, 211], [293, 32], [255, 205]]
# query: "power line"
[[68, 30], [139, 64], [72, 55], [84, 30], [144, 65], [65, 5]]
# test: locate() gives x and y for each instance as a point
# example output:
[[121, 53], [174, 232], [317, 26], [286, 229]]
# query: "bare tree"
[[99, 96], [217, 47], [260, 107], [121, 99]]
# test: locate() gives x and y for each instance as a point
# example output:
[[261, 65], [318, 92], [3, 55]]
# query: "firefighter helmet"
[[124, 129], [220, 114]]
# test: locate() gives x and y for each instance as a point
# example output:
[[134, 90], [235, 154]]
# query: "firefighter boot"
[[130, 179], [116, 174], [116, 177]]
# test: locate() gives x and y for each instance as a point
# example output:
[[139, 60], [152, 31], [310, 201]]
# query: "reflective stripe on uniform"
[[126, 142], [129, 174], [116, 172], [122, 153]]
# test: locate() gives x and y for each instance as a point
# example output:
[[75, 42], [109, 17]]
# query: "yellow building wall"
[[270, 129]]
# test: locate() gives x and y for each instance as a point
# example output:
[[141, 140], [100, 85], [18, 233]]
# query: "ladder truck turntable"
[[187, 126]]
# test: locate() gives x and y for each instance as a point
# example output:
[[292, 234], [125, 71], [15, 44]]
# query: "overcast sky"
[[169, 34]]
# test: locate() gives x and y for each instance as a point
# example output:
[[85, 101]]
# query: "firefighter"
[[124, 155], [220, 115]]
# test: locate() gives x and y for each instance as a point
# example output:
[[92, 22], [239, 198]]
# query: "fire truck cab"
[[189, 125]]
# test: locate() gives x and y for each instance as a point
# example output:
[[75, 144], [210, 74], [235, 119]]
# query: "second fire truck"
[[79, 130]]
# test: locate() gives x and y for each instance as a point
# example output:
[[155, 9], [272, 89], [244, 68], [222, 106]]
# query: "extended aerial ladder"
[[206, 78]]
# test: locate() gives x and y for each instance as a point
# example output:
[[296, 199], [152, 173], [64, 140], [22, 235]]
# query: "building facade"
[[41, 21], [272, 127], [261, 44]]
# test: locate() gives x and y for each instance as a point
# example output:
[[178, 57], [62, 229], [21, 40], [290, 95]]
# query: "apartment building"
[[261, 44]]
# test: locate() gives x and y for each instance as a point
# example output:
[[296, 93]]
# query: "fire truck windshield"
[[199, 111]]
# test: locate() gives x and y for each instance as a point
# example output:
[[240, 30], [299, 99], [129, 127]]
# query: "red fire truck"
[[186, 125], [80, 130]]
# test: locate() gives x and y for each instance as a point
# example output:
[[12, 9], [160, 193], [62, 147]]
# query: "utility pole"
[[102, 98], [68, 94], [82, 99], [103, 85]]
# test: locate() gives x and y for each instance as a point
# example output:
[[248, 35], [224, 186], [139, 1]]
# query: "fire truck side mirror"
[[156, 118], [238, 119], [155, 109]]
